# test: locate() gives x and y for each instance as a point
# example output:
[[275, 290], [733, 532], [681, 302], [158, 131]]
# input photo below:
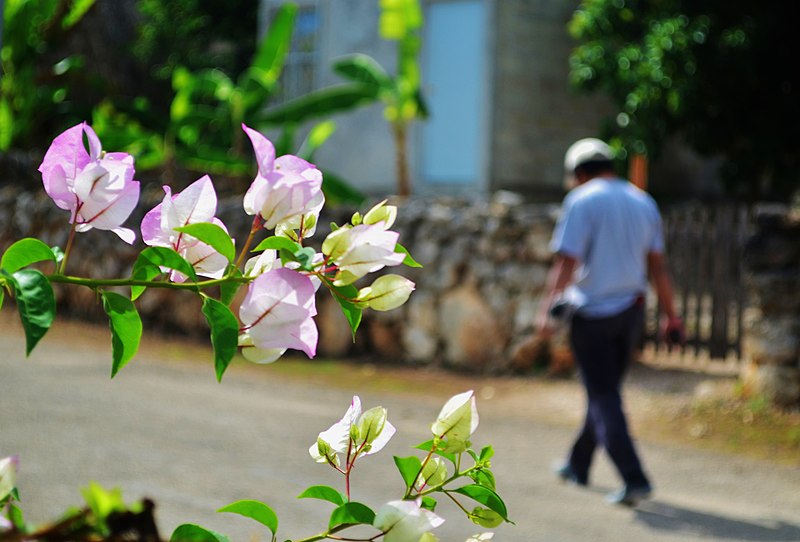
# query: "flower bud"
[[433, 473], [381, 213], [386, 293], [370, 425], [336, 243], [485, 517], [322, 452]]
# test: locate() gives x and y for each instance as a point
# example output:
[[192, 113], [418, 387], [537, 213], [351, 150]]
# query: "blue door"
[[454, 140]]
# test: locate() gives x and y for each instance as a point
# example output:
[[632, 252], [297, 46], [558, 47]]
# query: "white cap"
[[585, 150]]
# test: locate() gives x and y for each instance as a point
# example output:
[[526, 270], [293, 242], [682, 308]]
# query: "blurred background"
[[434, 97]]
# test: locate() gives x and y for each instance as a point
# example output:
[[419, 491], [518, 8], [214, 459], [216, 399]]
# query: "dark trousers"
[[603, 349]]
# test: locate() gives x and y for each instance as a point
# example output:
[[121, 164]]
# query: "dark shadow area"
[[665, 517]]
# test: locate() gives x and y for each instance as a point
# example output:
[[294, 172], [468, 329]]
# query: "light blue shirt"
[[609, 226]]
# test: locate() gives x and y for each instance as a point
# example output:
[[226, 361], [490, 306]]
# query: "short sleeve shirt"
[[609, 226]]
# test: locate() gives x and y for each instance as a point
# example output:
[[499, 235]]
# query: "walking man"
[[607, 243]]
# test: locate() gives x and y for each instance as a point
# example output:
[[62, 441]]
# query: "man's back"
[[609, 226]]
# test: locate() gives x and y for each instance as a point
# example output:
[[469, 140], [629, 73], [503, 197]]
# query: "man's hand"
[[674, 333]]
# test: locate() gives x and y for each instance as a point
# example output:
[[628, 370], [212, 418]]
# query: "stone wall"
[[772, 335], [485, 268], [486, 263]]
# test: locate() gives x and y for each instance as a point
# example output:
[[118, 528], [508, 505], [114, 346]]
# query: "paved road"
[[165, 429]]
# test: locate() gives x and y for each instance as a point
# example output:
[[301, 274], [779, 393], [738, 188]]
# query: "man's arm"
[[659, 277], [559, 277]]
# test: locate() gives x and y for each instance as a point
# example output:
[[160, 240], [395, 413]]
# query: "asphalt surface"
[[165, 429]]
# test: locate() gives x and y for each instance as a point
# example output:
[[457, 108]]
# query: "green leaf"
[[343, 295], [351, 513], [487, 452], [324, 493], [278, 243], [126, 329], [25, 252], [15, 516], [6, 124], [213, 235], [409, 261], [76, 13], [254, 510], [228, 289], [36, 305], [58, 254], [317, 136], [485, 517], [224, 333], [409, 468], [363, 68], [429, 503], [305, 257], [149, 263], [271, 55], [194, 533], [427, 446], [486, 497], [101, 501], [320, 103], [483, 477]]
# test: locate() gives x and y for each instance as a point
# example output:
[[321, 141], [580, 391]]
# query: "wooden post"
[[637, 170]]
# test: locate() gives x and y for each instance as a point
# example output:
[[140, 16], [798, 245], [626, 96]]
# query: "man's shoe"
[[630, 495], [568, 475]]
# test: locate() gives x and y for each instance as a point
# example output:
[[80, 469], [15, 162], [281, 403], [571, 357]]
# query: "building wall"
[[533, 114], [536, 113]]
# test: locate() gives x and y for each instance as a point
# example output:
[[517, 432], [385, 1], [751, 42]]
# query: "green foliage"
[[212, 235], [409, 468], [352, 312], [207, 36], [409, 260], [712, 72], [24, 253], [36, 304], [224, 333], [149, 264], [126, 329], [254, 510], [324, 493], [351, 513], [194, 533], [486, 497], [401, 22], [36, 91]]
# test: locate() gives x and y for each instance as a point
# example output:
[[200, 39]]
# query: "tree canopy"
[[719, 74]]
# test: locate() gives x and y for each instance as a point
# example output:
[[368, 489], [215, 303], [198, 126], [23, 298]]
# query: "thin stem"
[[258, 222], [349, 469], [330, 535], [70, 241], [467, 512], [96, 283], [421, 468]]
